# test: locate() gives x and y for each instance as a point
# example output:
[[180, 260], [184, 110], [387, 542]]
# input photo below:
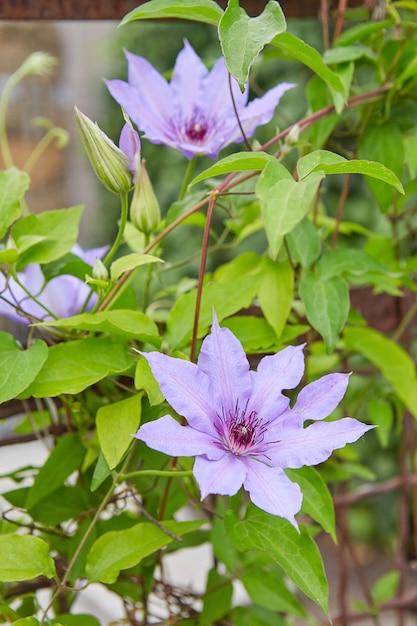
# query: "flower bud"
[[144, 209], [108, 161], [37, 63], [100, 271]]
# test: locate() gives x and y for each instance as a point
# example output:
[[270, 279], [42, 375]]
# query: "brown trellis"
[[116, 9]]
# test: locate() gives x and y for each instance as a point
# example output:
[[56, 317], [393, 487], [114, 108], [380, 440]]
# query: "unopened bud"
[[100, 271], [108, 161], [294, 135], [37, 63], [144, 209]]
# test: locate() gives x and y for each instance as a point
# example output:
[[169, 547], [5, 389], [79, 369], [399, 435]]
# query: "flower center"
[[196, 132], [241, 432]]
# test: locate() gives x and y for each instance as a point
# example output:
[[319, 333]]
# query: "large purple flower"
[[241, 427], [194, 112], [63, 296]]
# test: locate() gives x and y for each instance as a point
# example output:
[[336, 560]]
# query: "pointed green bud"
[[108, 161], [144, 209], [100, 271]]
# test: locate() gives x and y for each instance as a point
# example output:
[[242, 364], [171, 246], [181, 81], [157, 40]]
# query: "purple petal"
[[188, 73], [271, 490], [320, 398], [64, 296], [313, 444], [89, 256], [186, 388], [146, 115], [275, 373], [13, 295], [214, 97], [223, 477], [167, 436], [129, 143], [261, 110], [223, 360]]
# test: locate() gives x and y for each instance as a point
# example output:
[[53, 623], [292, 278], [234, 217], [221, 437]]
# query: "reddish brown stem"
[[340, 19], [203, 261]]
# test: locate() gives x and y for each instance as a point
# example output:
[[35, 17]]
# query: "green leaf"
[[119, 322], [242, 38], [345, 54], [144, 379], [131, 262], [26, 621], [75, 365], [311, 162], [227, 293], [24, 557], [64, 459], [276, 292], [254, 333], [330, 163], [116, 423], [75, 619], [317, 501], [19, 367], [284, 202], [13, 185], [254, 615], [269, 590], [351, 261], [206, 11], [66, 502], [238, 162], [297, 49], [101, 472], [47, 236], [304, 243], [381, 413], [383, 143], [295, 552], [395, 364], [327, 305], [217, 598], [363, 31], [385, 587], [121, 549]]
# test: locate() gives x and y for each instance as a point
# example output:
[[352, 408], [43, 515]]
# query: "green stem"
[[164, 473], [187, 177], [122, 225], [106, 261], [4, 102], [37, 152]]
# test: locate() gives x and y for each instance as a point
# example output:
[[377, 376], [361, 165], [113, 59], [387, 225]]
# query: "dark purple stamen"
[[241, 432], [196, 132]]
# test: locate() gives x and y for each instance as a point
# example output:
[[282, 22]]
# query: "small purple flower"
[[194, 112], [241, 429], [63, 296]]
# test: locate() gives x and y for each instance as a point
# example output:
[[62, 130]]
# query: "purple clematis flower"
[[194, 112], [241, 427], [63, 296]]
